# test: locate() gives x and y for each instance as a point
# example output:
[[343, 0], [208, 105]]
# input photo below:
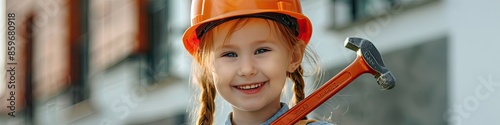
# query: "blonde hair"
[[202, 67]]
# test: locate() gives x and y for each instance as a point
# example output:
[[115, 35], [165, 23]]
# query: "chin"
[[249, 106]]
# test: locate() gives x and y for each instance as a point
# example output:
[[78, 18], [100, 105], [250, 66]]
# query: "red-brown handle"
[[330, 88]]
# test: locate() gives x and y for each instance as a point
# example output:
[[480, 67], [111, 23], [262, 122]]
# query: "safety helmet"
[[206, 14]]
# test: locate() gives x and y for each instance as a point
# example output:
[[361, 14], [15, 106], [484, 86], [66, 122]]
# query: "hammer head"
[[373, 59]]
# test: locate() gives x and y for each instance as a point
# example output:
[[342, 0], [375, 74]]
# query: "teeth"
[[249, 86]]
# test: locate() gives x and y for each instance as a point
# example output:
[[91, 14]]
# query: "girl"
[[244, 50]]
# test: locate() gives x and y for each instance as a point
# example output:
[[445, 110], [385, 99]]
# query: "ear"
[[295, 59]]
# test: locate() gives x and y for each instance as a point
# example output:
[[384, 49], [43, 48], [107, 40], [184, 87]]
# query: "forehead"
[[246, 31]]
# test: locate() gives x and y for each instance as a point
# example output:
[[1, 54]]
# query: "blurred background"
[[113, 62]]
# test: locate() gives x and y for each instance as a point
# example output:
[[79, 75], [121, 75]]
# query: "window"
[[79, 50], [157, 55], [350, 12]]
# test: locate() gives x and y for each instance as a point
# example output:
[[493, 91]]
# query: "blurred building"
[[111, 62], [96, 62]]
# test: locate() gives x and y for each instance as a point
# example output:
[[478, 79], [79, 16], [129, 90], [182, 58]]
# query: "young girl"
[[244, 50]]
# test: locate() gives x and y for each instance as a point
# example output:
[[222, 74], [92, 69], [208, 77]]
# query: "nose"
[[247, 68]]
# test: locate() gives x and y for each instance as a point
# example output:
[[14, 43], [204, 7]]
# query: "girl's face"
[[250, 65]]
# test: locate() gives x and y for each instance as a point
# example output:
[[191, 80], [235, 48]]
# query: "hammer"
[[368, 60]]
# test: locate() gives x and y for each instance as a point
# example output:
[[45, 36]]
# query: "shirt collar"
[[281, 111]]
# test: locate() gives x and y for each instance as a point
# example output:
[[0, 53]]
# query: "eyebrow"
[[226, 46], [261, 41], [236, 47]]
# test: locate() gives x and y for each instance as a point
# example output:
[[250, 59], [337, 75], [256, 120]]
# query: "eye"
[[229, 54], [261, 50]]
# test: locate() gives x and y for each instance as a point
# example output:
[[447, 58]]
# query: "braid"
[[298, 86], [204, 79], [207, 99]]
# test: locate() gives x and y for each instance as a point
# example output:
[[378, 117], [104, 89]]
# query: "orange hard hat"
[[205, 12]]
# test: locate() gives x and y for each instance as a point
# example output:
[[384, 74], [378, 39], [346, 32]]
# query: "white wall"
[[474, 61]]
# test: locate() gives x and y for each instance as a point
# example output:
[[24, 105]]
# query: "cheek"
[[222, 72], [275, 67], [220, 81]]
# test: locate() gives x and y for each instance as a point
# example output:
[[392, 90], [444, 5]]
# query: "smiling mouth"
[[250, 86]]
